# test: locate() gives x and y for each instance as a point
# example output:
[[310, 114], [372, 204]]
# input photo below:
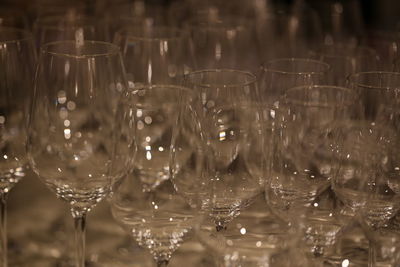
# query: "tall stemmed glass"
[[153, 57], [303, 158], [72, 140], [145, 202], [377, 184], [17, 59], [214, 130]]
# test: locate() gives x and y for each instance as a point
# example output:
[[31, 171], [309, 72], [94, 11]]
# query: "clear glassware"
[[279, 75], [345, 60], [253, 240], [75, 144], [377, 183], [153, 55], [145, 202], [305, 134], [16, 69], [210, 168]]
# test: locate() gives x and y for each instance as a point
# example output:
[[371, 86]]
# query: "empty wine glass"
[[374, 187], [153, 55], [281, 74], [345, 60], [305, 137], [210, 167], [73, 135], [253, 240], [16, 69], [145, 203]]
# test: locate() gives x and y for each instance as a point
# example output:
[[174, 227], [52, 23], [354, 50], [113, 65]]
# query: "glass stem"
[[371, 254], [3, 228], [80, 227]]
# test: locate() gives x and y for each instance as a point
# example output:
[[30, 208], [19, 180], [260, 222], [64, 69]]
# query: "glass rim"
[[25, 35], [125, 31], [351, 79], [349, 91], [114, 49], [204, 85], [293, 59]]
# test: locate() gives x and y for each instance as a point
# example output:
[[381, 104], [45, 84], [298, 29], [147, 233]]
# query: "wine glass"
[[74, 144], [16, 69], [209, 164], [305, 139], [153, 55], [281, 74], [145, 202], [345, 60], [375, 187], [253, 240]]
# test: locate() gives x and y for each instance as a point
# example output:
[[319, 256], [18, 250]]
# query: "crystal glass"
[[253, 240], [16, 69], [145, 202], [281, 74], [74, 142], [345, 60], [305, 139], [376, 182], [209, 164], [153, 55]]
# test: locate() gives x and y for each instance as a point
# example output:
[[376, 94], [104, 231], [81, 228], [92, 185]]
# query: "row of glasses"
[[245, 150]]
